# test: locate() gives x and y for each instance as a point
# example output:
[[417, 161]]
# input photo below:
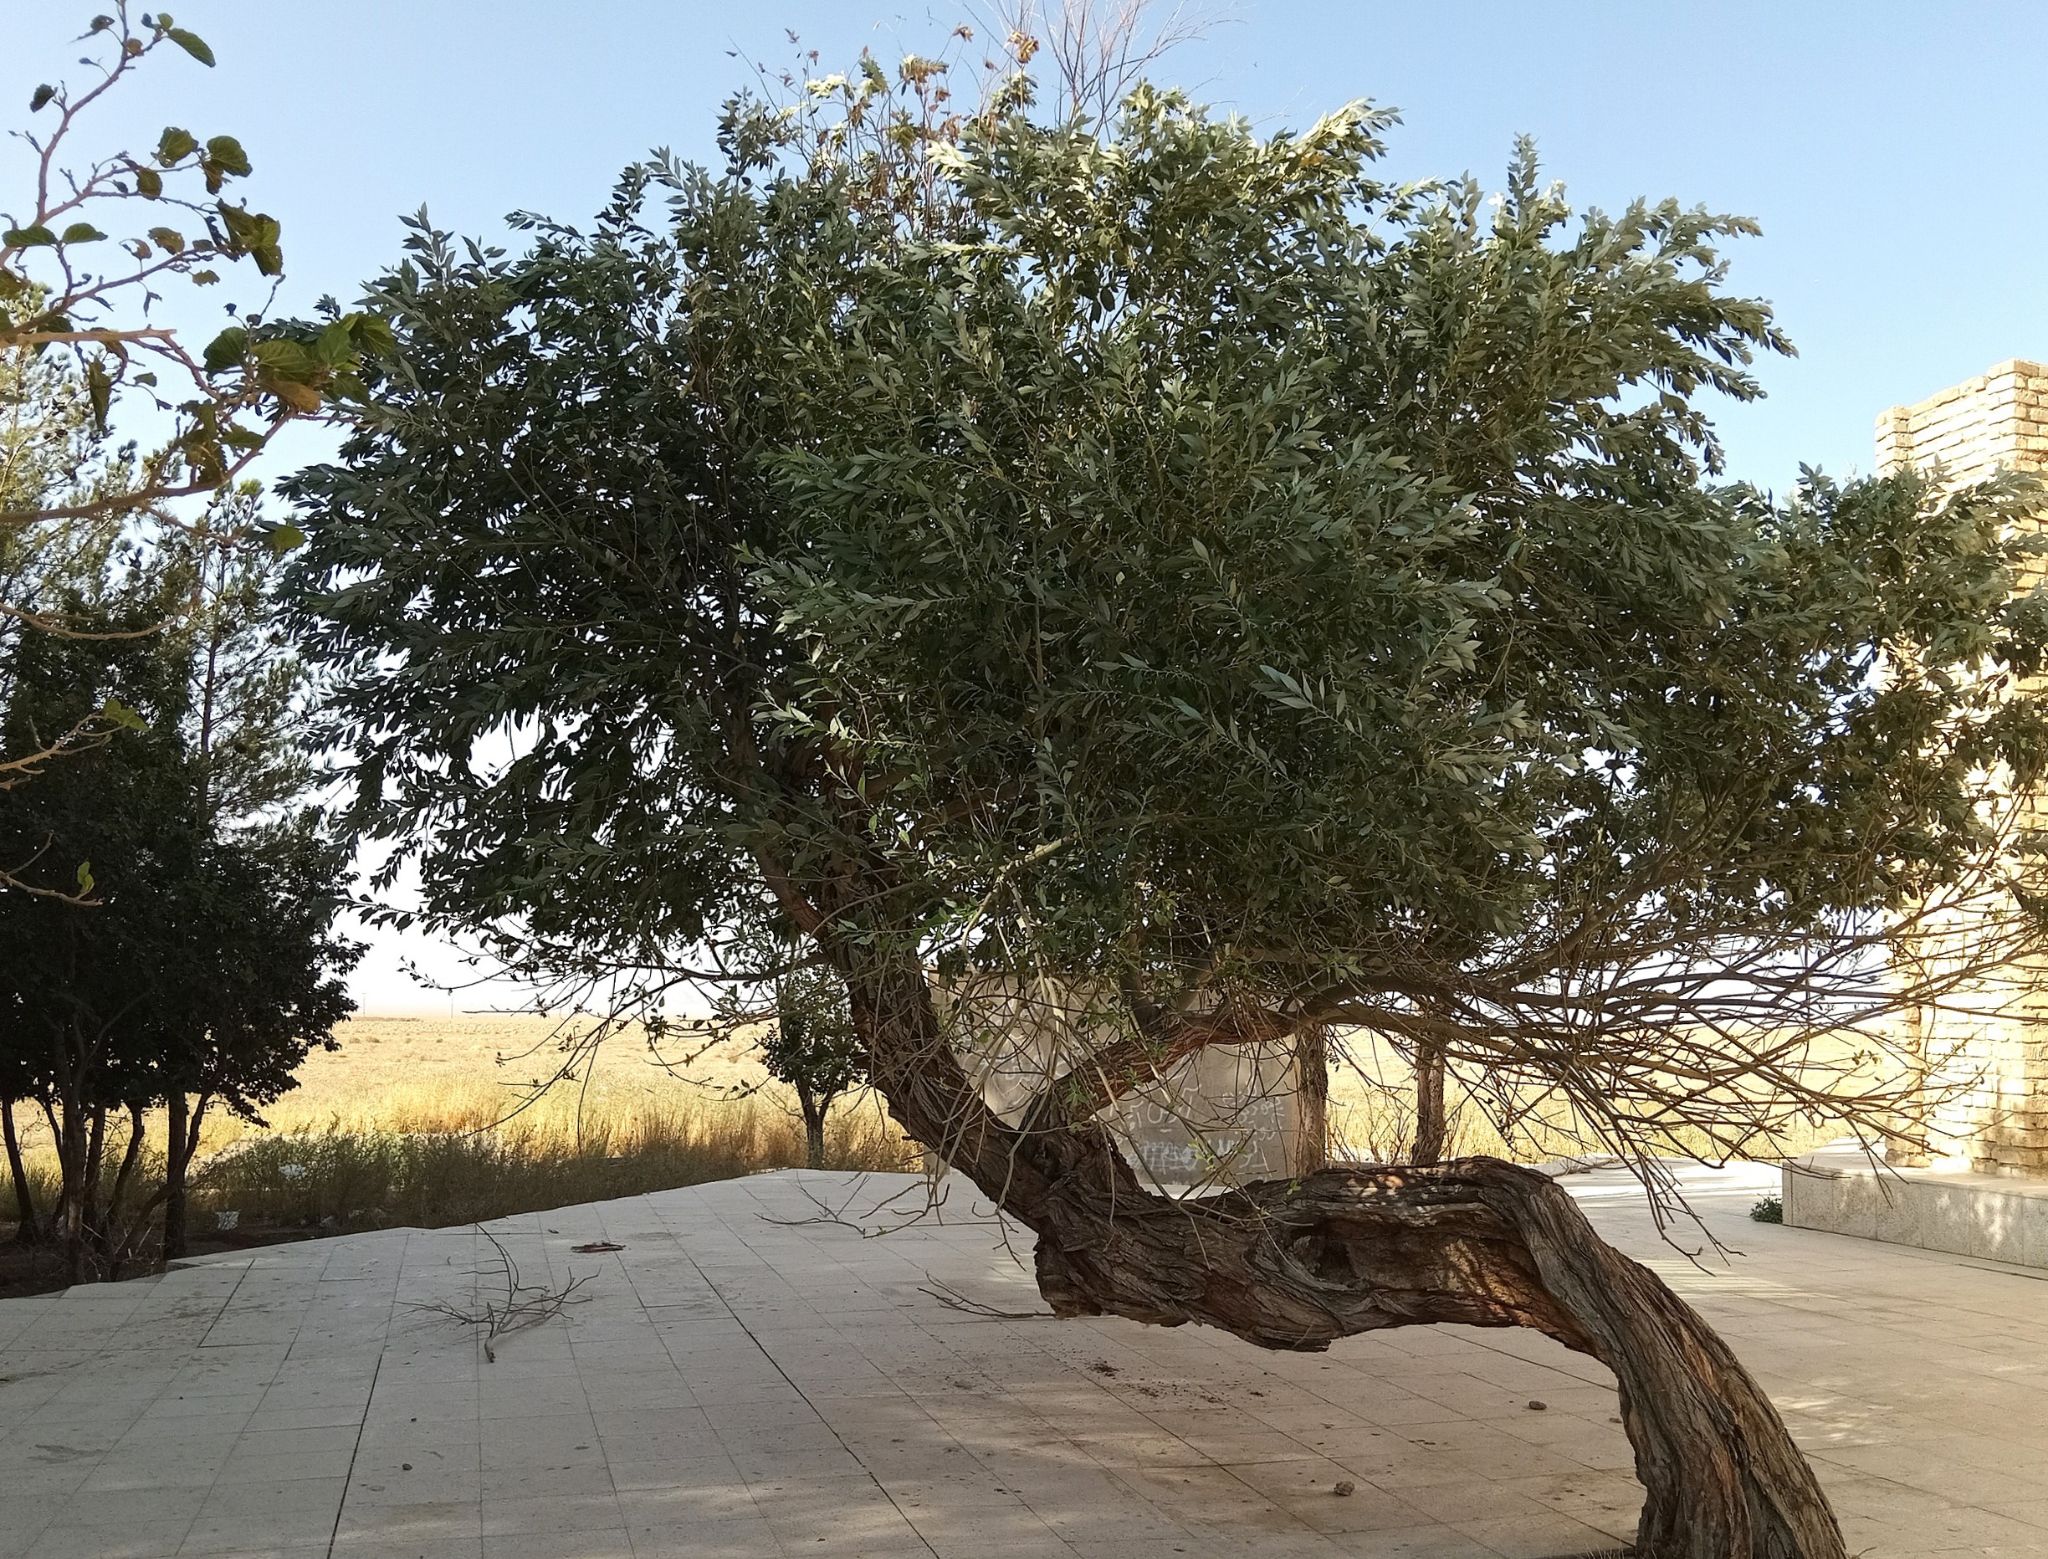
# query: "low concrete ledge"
[[1988, 1216]]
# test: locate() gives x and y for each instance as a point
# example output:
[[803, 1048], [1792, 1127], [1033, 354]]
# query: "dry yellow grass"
[[428, 1073], [420, 1073], [431, 1120]]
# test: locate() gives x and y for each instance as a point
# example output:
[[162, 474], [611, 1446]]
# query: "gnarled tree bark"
[[1299, 1264]]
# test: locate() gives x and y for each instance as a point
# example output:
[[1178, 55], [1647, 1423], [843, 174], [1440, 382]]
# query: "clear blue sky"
[[1890, 150]]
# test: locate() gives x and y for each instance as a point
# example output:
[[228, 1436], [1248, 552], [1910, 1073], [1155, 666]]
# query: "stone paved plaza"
[[742, 1385]]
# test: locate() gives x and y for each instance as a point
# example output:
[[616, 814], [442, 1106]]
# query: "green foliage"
[[1184, 561], [57, 297], [1768, 1209], [811, 1043], [203, 962]]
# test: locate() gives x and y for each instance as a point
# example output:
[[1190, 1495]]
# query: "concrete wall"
[[1993, 1218]]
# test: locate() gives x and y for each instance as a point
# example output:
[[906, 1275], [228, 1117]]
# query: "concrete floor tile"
[[787, 1384]]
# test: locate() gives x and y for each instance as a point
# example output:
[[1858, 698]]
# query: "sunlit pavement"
[[748, 1379]]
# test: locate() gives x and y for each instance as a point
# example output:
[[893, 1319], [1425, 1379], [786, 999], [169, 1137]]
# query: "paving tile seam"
[[859, 1460]]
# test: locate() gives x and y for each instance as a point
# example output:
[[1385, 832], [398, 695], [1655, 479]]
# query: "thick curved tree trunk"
[[1481, 1243], [1301, 1263]]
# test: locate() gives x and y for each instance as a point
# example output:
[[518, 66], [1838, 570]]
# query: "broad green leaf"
[[286, 359], [191, 43], [175, 145], [372, 334], [335, 344], [227, 349], [123, 715], [27, 237], [226, 152]]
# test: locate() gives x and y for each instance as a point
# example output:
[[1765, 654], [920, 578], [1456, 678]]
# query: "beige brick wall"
[[1996, 1063]]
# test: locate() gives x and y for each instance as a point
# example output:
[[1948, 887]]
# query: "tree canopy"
[[1205, 569]]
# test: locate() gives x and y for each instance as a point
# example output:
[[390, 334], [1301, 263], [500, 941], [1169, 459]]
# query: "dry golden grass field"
[[414, 1073], [432, 1121]]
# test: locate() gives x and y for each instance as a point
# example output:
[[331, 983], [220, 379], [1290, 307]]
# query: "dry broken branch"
[[513, 1306]]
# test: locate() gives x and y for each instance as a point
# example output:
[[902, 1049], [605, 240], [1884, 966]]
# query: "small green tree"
[[261, 983], [115, 824], [813, 1047]]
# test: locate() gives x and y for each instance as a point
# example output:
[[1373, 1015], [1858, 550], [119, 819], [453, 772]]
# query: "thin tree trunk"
[[1431, 1123], [177, 1156], [1312, 1084], [91, 1225], [814, 1109], [1298, 1264], [114, 1240], [73, 1158], [28, 1227]]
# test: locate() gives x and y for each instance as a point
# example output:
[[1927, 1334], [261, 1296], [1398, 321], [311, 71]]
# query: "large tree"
[[1178, 570]]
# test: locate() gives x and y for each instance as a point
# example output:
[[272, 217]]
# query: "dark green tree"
[[109, 837], [259, 984], [194, 961], [251, 773], [1184, 571]]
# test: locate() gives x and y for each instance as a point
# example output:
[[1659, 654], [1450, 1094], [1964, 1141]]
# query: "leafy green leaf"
[[40, 97], [85, 877], [335, 344], [99, 386], [191, 43], [149, 183], [175, 145], [168, 239], [372, 334], [287, 359], [81, 233], [123, 715], [27, 237], [226, 350], [286, 538], [226, 153]]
